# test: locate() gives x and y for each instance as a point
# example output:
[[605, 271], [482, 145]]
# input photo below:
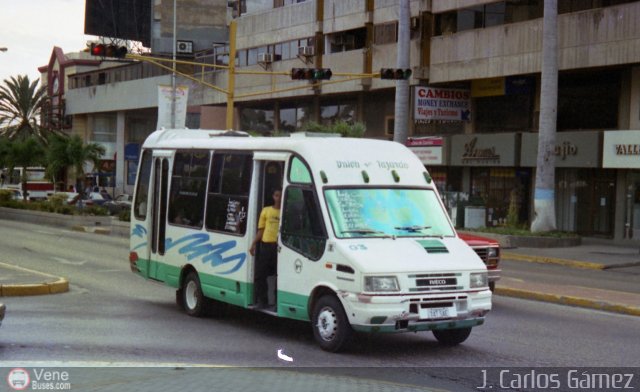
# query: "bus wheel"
[[452, 337], [492, 286], [330, 324], [193, 300]]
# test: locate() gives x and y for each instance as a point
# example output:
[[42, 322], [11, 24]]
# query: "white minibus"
[[364, 242]]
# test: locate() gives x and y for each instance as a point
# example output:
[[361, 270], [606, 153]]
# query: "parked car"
[[120, 203], [489, 251]]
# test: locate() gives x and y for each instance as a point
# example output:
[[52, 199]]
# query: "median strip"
[[552, 260], [50, 284]]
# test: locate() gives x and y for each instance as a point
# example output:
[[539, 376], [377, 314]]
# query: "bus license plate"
[[438, 313]]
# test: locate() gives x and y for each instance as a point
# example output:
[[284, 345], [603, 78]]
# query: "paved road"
[[111, 315]]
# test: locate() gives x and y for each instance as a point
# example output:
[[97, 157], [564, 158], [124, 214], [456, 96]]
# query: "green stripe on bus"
[[294, 306], [290, 305]]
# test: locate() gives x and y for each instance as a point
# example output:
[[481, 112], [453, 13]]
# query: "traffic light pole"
[[231, 83]]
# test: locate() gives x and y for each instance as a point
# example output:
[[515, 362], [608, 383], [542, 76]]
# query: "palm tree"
[[24, 153], [65, 153], [21, 103], [400, 131], [544, 197]]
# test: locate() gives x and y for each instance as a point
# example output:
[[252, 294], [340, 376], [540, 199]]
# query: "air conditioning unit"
[[306, 51], [184, 47], [265, 58]]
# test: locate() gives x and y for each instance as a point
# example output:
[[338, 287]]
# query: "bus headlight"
[[479, 280], [381, 283]]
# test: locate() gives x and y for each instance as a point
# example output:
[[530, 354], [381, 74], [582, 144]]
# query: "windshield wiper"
[[412, 229], [362, 231]]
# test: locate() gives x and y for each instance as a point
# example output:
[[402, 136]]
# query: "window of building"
[[188, 188], [346, 40], [504, 113], [257, 119], [293, 117], [332, 113], [228, 196], [588, 100], [104, 128]]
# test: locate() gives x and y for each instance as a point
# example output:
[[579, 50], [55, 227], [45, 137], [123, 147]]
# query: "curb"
[[568, 300], [94, 230], [552, 260], [61, 285]]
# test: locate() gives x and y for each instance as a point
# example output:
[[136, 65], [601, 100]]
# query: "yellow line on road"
[[552, 260]]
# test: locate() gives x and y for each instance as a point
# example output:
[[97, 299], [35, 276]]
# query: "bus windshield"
[[378, 212]]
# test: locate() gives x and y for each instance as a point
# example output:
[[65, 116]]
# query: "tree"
[[21, 103], [544, 196], [400, 131], [24, 153], [65, 153]]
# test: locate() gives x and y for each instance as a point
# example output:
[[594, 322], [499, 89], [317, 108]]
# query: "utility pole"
[[400, 131], [544, 197], [173, 74]]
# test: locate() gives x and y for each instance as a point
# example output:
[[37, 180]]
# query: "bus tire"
[[193, 301], [331, 327], [452, 337], [492, 286]]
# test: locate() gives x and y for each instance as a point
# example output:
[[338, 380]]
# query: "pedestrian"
[[267, 237]]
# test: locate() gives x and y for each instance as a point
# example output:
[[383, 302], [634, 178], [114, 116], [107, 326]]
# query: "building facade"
[[475, 90]]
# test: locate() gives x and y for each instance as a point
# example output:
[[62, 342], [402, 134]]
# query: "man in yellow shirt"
[[267, 236]]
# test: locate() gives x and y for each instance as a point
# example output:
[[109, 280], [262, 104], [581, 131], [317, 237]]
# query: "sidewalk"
[[590, 255], [19, 281]]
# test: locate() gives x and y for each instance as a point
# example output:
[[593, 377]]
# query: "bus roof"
[[342, 160]]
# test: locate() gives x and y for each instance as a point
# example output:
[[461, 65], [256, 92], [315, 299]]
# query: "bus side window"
[[188, 188], [302, 228], [142, 188]]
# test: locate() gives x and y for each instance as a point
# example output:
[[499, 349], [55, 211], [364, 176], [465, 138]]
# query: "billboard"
[[124, 19]]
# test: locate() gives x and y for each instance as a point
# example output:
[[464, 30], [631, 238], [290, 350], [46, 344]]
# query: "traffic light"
[[109, 50], [311, 73], [395, 73]]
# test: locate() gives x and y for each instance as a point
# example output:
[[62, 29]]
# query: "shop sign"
[[441, 104], [428, 149], [572, 149], [621, 149], [487, 87], [132, 152], [511, 85], [484, 150]]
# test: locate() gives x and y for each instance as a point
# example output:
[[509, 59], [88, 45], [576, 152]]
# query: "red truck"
[[489, 251]]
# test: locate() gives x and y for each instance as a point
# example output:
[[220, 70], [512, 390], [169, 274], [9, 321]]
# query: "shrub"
[[95, 210], [125, 215], [5, 196]]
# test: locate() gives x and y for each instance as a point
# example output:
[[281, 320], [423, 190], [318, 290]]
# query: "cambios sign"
[[432, 103]]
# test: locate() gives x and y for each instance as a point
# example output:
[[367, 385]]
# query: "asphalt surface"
[[596, 257]]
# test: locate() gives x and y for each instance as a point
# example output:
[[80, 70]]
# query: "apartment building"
[[475, 93]]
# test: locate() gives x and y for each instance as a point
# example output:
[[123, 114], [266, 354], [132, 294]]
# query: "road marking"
[[284, 357], [68, 262]]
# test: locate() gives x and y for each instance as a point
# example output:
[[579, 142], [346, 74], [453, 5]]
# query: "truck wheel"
[[193, 301], [330, 324], [452, 337]]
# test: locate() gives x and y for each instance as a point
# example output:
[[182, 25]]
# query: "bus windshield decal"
[[197, 245]]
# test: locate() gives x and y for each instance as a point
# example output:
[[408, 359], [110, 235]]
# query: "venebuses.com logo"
[[18, 379]]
